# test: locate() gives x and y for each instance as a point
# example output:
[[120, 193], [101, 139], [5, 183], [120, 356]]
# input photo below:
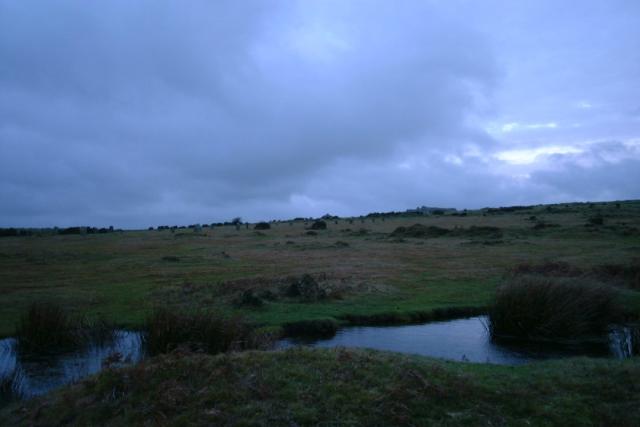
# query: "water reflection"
[[27, 374], [467, 340], [23, 375]]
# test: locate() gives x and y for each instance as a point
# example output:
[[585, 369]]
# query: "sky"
[[148, 112]]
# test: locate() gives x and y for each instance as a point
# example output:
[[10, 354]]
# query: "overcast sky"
[[135, 113]]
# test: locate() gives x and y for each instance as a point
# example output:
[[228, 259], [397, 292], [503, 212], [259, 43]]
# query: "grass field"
[[361, 270], [122, 275]]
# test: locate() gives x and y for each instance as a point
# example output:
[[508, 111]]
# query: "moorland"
[[299, 276]]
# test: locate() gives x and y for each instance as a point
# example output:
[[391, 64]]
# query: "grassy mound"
[[341, 387]]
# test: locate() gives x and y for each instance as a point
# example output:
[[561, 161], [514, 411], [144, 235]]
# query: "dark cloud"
[[161, 112]]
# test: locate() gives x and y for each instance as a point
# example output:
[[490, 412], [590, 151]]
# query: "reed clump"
[[47, 326], [165, 330], [543, 308]]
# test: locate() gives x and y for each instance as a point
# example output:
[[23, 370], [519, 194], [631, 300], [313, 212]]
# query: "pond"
[[25, 375], [466, 340]]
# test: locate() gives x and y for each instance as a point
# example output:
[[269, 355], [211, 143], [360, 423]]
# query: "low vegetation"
[[540, 308], [318, 225], [47, 326], [164, 331], [422, 231], [400, 268], [621, 275], [341, 387], [262, 226]]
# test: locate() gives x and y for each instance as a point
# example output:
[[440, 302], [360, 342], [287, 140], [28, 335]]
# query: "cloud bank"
[[144, 113]]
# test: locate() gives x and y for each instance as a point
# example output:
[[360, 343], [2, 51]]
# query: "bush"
[[319, 225], [262, 226], [539, 308], [307, 289], [165, 331]]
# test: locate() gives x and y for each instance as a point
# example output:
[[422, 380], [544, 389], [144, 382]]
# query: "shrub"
[[307, 289], [319, 225], [262, 226], [165, 330], [539, 308]]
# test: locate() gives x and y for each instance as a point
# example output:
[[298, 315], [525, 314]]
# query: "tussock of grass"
[[532, 307], [47, 326], [165, 331]]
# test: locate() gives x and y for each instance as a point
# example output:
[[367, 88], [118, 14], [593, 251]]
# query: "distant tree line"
[[12, 232], [22, 232]]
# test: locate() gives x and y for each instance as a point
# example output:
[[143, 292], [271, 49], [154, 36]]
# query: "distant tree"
[[237, 221]]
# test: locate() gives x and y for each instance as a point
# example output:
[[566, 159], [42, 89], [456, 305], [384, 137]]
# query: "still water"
[[29, 375], [24, 375], [466, 340]]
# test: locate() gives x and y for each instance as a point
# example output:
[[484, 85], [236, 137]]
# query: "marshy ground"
[[359, 270]]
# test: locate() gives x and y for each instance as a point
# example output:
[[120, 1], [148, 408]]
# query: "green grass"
[[342, 387], [120, 276]]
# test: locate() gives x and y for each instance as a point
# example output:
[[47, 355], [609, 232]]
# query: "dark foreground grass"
[[541, 308], [342, 387]]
